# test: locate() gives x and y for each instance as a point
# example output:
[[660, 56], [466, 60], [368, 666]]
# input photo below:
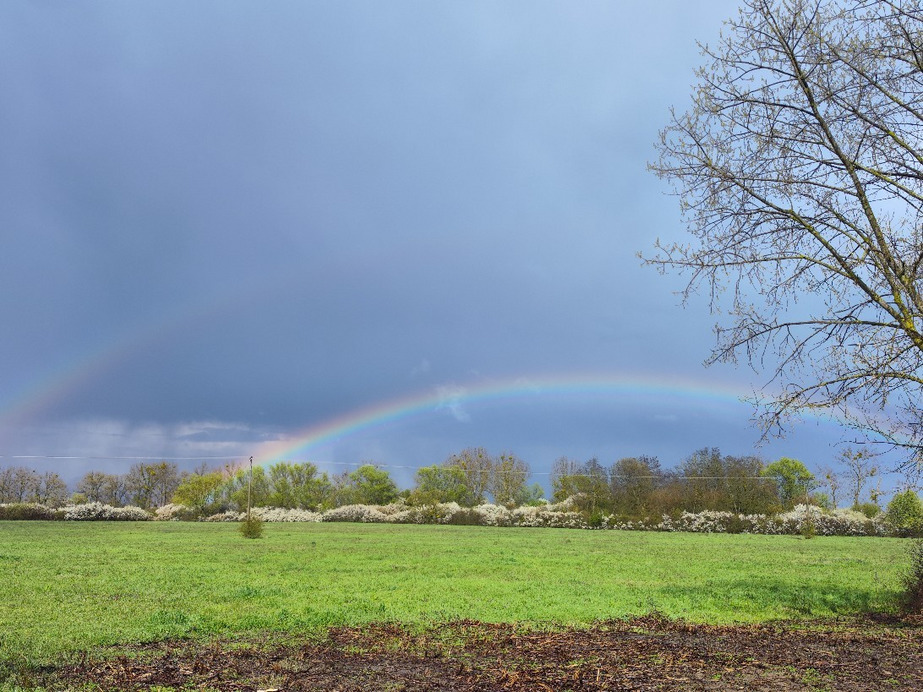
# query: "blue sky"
[[229, 224]]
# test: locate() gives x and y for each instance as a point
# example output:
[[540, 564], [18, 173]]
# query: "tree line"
[[706, 480], [468, 478], [631, 487], [145, 485]]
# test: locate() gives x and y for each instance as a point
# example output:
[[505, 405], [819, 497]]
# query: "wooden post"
[[249, 489]]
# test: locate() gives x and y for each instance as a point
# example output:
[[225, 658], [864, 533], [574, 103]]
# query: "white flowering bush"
[[364, 514], [279, 514], [97, 511], [172, 512], [840, 522], [444, 512], [708, 521], [492, 515], [803, 519], [422, 514], [227, 516], [800, 520], [568, 505], [548, 516], [393, 509]]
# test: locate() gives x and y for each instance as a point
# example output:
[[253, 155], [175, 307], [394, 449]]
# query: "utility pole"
[[249, 489]]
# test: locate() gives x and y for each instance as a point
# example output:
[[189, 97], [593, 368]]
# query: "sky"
[[352, 231]]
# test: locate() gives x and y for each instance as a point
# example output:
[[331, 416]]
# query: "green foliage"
[[911, 598], [297, 486], [869, 509], [24, 511], [437, 484], [821, 500], [371, 485], [595, 519], [534, 495], [235, 490], [200, 492], [508, 480], [477, 465], [251, 527], [586, 484], [905, 512], [794, 481], [808, 529]]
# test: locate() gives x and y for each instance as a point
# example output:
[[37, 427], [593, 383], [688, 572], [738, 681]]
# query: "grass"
[[78, 586]]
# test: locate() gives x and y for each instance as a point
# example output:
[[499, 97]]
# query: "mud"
[[649, 653]]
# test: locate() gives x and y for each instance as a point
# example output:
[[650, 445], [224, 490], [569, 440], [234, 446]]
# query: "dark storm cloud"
[[272, 214]]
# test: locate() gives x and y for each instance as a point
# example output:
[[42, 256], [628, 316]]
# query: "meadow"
[[77, 586]]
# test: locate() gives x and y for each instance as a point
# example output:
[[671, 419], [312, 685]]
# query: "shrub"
[[97, 511], [465, 516], [869, 509], [358, 513], [596, 519], [804, 520], [279, 514], [176, 512], [808, 529], [737, 524], [544, 516], [251, 527], [26, 511], [905, 513], [912, 582], [226, 516]]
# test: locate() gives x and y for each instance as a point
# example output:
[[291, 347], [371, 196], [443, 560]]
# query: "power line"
[[116, 458], [242, 457]]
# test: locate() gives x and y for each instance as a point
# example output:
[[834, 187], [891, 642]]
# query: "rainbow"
[[453, 400]]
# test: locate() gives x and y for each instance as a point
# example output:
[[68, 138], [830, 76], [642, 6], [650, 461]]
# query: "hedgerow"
[[97, 511], [90, 511], [795, 522], [802, 520]]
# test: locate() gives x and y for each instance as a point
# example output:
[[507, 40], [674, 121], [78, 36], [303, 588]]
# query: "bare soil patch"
[[648, 653]]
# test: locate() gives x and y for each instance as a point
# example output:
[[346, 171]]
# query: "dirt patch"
[[641, 654]]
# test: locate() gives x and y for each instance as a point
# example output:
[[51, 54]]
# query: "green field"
[[77, 586]]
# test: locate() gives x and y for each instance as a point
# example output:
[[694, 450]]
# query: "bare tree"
[[6, 484], [21, 484], [151, 485], [51, 490], [508, 479], [113, 490], [632, 482], [24, 485], [167, 480], [832, 481], [92, 485], [799, 167], [860, 468], [561, 469], [477, 466]]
